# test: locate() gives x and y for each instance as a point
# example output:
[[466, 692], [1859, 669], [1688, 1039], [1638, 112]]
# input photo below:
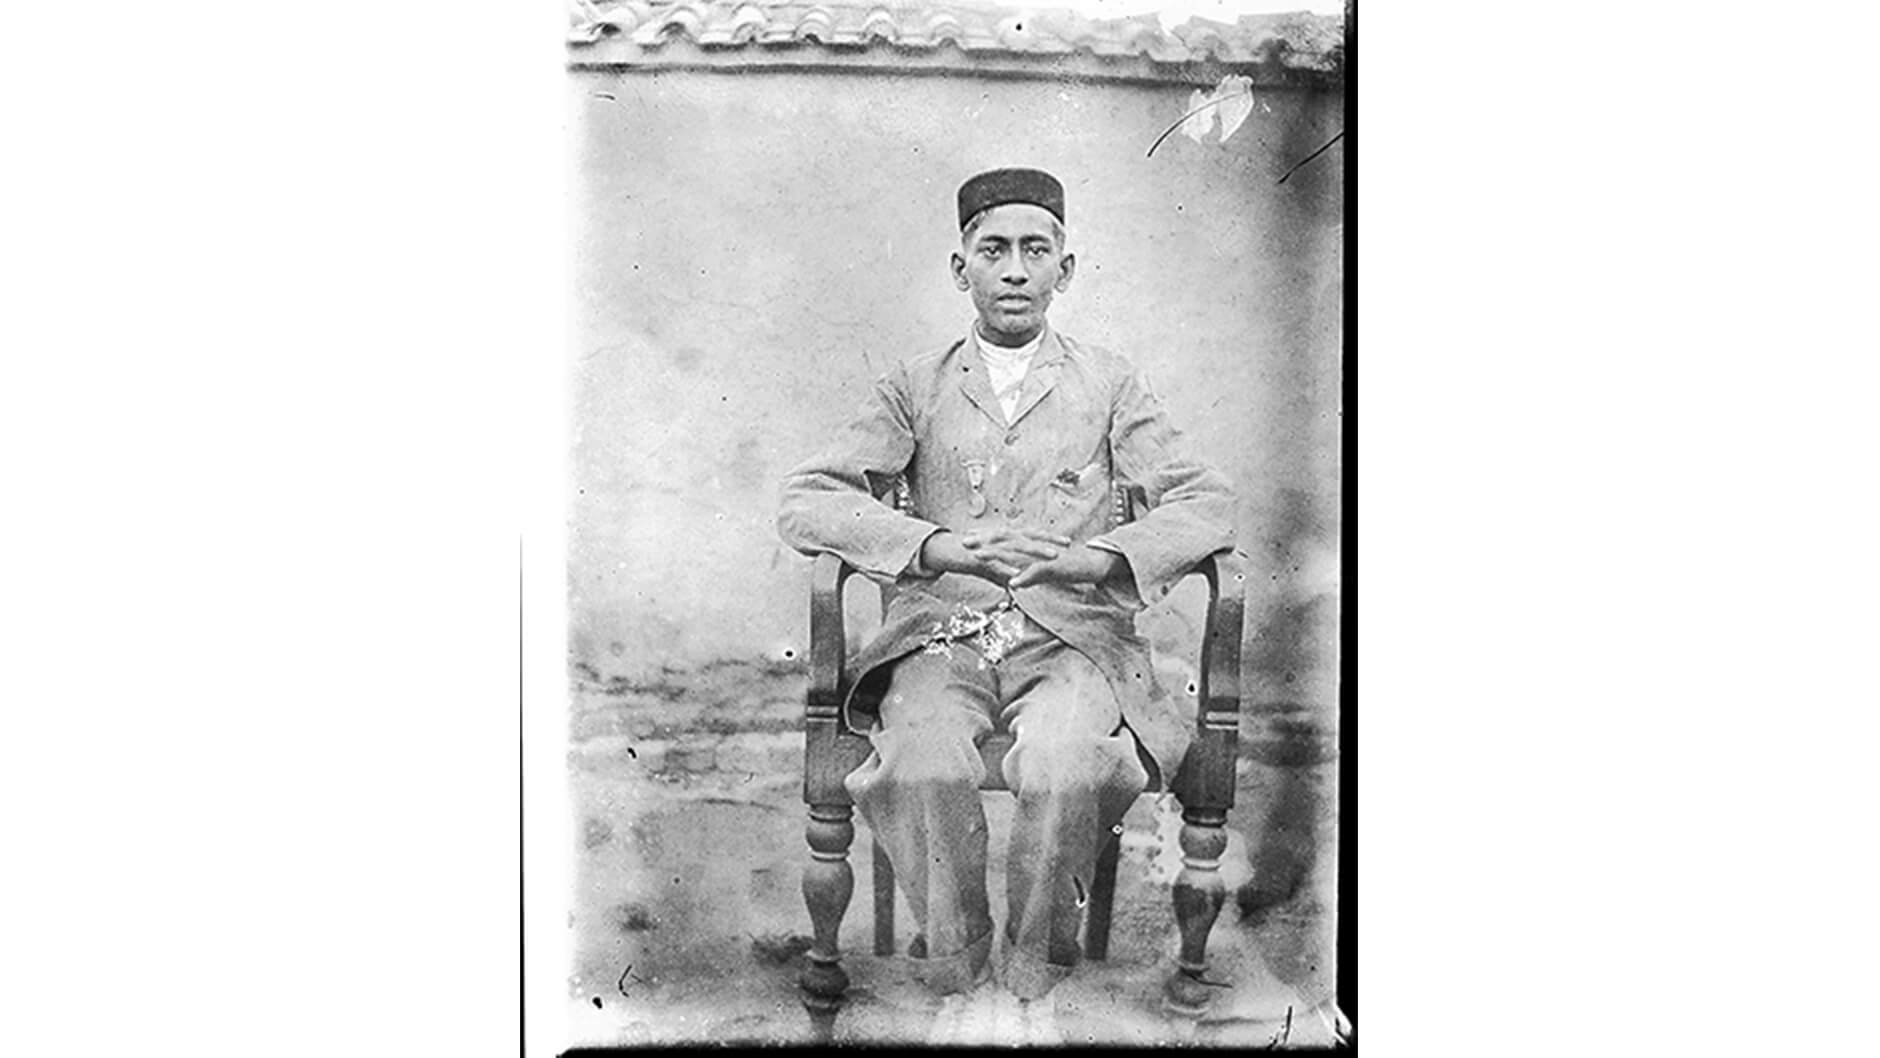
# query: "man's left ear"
[[1067, 267]]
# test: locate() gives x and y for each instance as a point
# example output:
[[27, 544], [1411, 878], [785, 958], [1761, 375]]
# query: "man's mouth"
[[1013, 299]]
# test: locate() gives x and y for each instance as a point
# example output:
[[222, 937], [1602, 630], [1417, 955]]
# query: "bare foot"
[[967, 1017], [1038, 1022]]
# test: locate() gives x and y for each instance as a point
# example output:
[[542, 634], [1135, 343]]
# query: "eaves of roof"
[[1285, 49]]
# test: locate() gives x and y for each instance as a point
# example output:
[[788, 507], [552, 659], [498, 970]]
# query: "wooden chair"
[[1204, 784]]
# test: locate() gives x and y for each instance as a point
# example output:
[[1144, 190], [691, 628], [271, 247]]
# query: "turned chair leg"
[[828, 883], [1102, 900], [1199, 892]]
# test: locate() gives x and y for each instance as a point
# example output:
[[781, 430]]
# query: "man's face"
[[1013, 262]]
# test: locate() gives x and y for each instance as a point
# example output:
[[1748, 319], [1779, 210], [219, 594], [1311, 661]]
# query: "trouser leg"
[[919, 793], [1075, 772]]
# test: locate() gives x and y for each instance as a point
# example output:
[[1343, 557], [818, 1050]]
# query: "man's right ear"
[[958, 266]]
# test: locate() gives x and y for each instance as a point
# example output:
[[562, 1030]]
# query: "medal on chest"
[[976, 480]]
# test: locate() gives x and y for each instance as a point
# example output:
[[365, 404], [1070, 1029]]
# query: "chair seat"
[[993, 751], [853, 749]]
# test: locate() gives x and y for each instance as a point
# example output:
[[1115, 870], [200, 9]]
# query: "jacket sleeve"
[[1191, 506], [829, 502]]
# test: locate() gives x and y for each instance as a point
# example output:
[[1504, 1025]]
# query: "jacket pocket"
[[1076, 499]]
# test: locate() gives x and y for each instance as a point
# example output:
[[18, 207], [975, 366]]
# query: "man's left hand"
[[1078, 565]]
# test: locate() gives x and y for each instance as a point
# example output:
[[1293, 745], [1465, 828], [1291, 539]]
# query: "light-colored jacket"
[[1086, 421]]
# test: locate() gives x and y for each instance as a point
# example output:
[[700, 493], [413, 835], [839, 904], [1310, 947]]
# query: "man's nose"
[[1014, 271]]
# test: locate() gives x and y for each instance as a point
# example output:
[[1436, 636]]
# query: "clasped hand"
[[1016, 557]]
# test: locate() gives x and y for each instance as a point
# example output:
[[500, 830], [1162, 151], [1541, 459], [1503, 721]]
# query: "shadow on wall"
[[1288, 798]]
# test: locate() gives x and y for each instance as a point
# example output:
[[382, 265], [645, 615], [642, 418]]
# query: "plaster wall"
[[752, 249]]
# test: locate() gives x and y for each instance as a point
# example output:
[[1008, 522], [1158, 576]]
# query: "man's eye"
[[1038, 251]]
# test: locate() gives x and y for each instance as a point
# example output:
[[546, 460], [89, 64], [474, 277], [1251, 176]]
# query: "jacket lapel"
[[976, 384], [1042, 376]]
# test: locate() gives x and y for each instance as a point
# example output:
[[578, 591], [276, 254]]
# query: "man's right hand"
[[995, 554]]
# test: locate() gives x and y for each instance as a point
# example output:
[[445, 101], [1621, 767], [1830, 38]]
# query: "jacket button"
[[1011, 512], [1011, 438]]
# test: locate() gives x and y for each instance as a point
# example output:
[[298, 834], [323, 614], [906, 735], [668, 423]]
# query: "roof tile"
[[1297, 41]]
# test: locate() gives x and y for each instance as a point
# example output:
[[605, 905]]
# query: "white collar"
[[1005, 354]]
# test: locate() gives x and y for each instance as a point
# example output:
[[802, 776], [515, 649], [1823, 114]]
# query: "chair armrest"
[[830, 752], [1226, 573], [1206, 778], [827, 640]]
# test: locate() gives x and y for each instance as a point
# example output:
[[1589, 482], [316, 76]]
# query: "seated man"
[[1015, 593]]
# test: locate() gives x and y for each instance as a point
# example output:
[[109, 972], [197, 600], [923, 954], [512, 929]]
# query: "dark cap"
[[1000, 186]]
